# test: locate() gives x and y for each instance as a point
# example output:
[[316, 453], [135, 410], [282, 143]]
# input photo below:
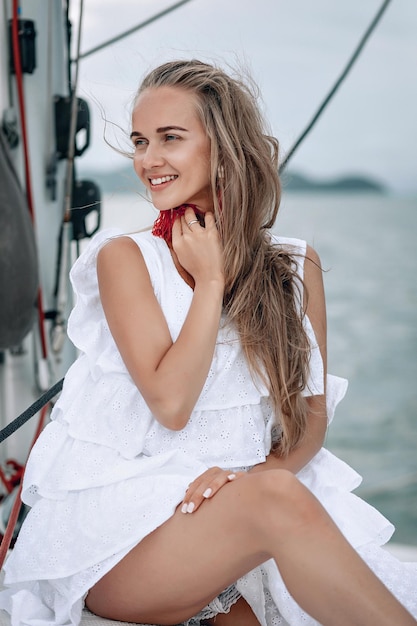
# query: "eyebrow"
[[161, 129]]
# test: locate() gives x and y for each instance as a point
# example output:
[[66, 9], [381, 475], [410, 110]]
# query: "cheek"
[[137, 165], [205, 171], [201, 164]]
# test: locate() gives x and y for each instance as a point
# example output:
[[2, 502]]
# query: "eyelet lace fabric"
[[104, 473]]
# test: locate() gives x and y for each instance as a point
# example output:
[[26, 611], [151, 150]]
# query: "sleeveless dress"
[[104, 473]]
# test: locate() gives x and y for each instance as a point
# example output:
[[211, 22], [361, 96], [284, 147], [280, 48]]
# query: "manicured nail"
[[207, 493], [190, 507], [184, 508], [231, 477]]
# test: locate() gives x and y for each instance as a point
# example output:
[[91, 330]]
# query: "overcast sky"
[[294, 49]]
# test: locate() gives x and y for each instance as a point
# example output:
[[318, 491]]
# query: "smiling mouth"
[[155, 182]]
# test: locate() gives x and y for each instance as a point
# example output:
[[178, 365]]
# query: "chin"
[[161, 205], [166, 206]]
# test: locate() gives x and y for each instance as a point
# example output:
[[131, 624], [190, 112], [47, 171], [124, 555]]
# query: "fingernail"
[[231, 477], [184, 508], [190, 507], [207, 493]]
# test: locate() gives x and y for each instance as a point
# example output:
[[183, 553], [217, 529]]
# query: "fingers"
[[183, 225], [195, 221], [190, 221], [209, 221], [206, 486], [176, 229], [189, 225], [198, 248], [206, 221]]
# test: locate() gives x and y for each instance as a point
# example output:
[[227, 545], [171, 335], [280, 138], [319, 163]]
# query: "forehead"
[[165, 106]]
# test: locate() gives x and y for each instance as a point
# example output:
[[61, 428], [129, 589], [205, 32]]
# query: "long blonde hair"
[[261, 292]]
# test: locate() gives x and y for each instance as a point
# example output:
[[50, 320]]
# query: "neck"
[[163, 224]]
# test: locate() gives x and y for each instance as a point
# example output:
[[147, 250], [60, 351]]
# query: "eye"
[[139, 142], [171, 137]]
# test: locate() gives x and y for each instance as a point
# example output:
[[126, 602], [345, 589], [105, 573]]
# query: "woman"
[[165, 487]]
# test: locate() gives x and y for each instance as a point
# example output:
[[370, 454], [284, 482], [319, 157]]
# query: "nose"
[[152, 156]]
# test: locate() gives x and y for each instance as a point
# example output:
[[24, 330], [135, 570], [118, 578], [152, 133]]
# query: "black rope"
[[110, 42], [337, 84], [31, 411]]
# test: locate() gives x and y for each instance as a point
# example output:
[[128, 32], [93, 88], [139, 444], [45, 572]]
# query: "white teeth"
[[163, 179]]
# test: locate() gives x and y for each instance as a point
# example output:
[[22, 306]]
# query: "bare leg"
[[180, 567]]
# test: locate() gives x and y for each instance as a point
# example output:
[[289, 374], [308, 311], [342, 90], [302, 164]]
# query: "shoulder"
[[304, 254], [122, 249], [120, 259], [125, 241], [291, 244], [121, 244], [299, 250], [308, 265], [134, 259]]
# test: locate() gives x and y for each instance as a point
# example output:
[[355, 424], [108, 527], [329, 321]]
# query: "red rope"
[[8, 533], [163, 224], [13, 476]]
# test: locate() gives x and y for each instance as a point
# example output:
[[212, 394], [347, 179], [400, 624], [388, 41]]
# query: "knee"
[[278, 483], [283, 495]]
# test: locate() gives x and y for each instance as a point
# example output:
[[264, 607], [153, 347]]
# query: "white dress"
[[104, 473]]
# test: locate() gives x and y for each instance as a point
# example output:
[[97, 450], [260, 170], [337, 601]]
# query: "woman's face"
[[172, 149]]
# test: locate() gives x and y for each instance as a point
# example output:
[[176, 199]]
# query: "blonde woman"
[[182, 477]]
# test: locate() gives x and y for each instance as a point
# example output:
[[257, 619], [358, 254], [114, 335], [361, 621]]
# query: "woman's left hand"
[[206, 486], [198, 248]]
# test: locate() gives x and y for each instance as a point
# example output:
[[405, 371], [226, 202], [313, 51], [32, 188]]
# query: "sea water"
[[367, 244]]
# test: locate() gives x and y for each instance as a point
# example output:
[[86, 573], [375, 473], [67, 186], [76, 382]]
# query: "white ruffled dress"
[[104, 473]]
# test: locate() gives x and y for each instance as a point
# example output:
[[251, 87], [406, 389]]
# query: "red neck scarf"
[[163, 224]]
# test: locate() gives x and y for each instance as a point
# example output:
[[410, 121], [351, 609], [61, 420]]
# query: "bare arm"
[[170, 376], [317, 415]]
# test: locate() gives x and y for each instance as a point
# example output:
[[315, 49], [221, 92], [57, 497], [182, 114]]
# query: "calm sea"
[[368, 248]]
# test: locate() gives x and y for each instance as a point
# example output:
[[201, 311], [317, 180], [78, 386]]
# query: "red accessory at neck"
[[163, 224]]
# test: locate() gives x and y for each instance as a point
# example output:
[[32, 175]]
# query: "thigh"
[[181, 566]]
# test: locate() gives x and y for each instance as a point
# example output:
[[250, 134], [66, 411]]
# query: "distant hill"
[[124, 180], [294, 181]]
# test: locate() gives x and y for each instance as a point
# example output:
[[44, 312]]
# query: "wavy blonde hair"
[[261, 292]]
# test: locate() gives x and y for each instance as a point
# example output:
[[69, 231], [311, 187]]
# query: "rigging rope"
[[337, 84], [110, 42], [31, 411]]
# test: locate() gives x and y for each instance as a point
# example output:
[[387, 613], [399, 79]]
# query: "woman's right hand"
[[198, 248], [206, 486]]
